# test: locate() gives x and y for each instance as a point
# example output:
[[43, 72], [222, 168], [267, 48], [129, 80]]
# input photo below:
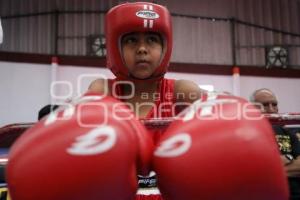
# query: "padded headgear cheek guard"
[[136, 17]]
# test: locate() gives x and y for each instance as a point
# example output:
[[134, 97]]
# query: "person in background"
[[266, 99], [288, 142], [46, 110], [1, 33]]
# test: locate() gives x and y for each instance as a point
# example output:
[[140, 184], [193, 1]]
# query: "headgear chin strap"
[[1, 33], [137, 17]]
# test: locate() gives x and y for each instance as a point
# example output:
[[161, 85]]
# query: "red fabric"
[[166, 94], [163, 103]]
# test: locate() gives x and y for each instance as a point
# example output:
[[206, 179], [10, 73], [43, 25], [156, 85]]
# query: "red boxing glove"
[[220, 149], [92, 150]]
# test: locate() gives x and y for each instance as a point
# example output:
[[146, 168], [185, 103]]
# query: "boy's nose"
[[142, 48]]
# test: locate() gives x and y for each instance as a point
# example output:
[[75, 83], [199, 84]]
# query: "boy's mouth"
[[142, 63]]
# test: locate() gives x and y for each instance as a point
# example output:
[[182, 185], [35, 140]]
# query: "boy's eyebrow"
[[154, 33], [126, 34], [147, 33]]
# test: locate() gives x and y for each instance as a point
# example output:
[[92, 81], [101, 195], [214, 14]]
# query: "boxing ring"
[[10, 133]]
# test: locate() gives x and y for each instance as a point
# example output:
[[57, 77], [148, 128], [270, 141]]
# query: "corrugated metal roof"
[[65, 26]]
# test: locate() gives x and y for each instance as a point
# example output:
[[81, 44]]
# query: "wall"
[[24, 89], [207, 41], [286, 90]]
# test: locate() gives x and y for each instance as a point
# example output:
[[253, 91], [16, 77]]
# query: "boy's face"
[[142, 53]]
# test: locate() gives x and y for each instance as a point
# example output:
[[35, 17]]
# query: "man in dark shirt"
[[288, 140]]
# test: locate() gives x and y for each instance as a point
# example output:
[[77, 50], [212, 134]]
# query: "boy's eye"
[[134, 39], [129, 40], [153, 39]]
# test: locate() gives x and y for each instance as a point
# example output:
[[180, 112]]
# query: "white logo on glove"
[[174, 146], [96, 141]]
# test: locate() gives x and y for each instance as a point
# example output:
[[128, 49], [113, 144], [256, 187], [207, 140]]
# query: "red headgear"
[[136, 17]]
